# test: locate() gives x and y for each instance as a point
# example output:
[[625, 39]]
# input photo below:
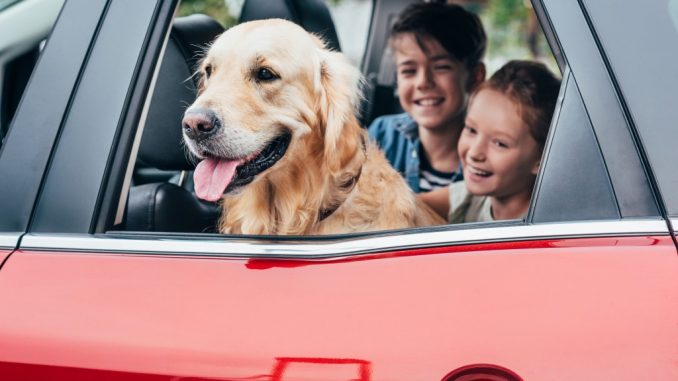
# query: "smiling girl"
[[501, 145]]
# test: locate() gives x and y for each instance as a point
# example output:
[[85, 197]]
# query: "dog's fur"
[[331, 179]]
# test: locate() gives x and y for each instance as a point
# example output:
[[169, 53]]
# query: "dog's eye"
[[265, 75], [208, 71]]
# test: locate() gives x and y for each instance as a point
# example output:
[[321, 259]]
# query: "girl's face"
[[433, 88], [499, 155]]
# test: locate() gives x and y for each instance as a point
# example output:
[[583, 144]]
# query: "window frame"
[[568, 29], [648, 121], [38, 119]]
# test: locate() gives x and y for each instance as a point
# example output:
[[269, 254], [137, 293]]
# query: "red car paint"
[[577, 309], [3, 256]]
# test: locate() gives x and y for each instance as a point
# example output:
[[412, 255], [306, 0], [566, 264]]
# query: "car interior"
[[161, 198]]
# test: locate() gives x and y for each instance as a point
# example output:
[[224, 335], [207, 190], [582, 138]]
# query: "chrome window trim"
[[241, 247], [9, 241]]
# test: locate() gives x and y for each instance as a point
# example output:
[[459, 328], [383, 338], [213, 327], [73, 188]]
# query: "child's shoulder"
[[393, 124], [466, 207], [398, 121]]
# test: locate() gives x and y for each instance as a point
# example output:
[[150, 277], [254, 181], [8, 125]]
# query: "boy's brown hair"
[[457, 30]]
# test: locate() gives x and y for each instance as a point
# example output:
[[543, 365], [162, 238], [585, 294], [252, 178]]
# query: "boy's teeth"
[[479, 172], [428, 102]]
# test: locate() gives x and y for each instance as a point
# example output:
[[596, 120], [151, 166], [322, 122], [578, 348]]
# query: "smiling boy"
[[438, 50]]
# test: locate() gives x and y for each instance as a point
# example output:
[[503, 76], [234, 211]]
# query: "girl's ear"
[[475, 77]]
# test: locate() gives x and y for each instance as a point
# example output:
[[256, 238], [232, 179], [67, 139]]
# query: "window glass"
[[226, 12], [640, 41], [574, 151], [513, 32], [24, 25], [7, 3], [352, 21]]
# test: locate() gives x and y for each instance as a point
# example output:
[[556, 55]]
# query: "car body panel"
[[604, 107], [646, 85], [8, 242], [544, 309], [37, 122], [3, 255]]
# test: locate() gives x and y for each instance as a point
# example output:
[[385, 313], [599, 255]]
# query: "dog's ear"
[[199, 76], [339, 85], [200, 85]]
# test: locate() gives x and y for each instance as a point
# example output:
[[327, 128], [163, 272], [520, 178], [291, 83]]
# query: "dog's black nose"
[[200, 123]]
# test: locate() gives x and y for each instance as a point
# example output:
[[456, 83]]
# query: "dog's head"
[[269, 91]]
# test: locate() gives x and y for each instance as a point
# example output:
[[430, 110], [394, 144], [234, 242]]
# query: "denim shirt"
[[398, 136]]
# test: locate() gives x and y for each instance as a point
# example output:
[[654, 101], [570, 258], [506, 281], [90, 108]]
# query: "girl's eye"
[[500, 144], [407, 72], [470, 130], [208, 71], [265, 75]]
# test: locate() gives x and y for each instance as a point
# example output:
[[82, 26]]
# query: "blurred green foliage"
[[505, 12], [215, 8], [513, 31]]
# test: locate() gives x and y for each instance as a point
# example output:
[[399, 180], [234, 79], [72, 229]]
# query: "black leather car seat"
[[312, 15], [167, 206]]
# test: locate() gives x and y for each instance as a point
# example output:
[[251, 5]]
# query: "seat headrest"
[[161, 144], [311, 15]]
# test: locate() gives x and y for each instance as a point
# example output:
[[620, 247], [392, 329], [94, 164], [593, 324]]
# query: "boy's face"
[[433, 87], [499, 155]]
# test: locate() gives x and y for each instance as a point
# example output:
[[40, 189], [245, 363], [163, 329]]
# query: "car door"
[[583, 288], [640, 61]]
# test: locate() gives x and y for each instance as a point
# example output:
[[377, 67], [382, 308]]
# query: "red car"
[[110, 269]]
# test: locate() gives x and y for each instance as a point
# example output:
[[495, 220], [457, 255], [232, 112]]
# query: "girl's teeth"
[[429, 102], [479, 172]]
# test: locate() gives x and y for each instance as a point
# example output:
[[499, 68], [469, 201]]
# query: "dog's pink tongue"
[[212, 176]]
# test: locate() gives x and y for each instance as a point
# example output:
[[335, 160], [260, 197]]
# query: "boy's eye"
[[501, 144], [407, 71], [442, 67]]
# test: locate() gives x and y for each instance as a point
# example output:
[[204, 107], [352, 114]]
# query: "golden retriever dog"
[[275, 129]]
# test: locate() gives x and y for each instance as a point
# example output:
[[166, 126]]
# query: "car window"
[[24, 25], [513, 32], [352, 20], [7, 3], [226, 12], [573, 151], [642, 56], [153, 165], [108, 200]]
